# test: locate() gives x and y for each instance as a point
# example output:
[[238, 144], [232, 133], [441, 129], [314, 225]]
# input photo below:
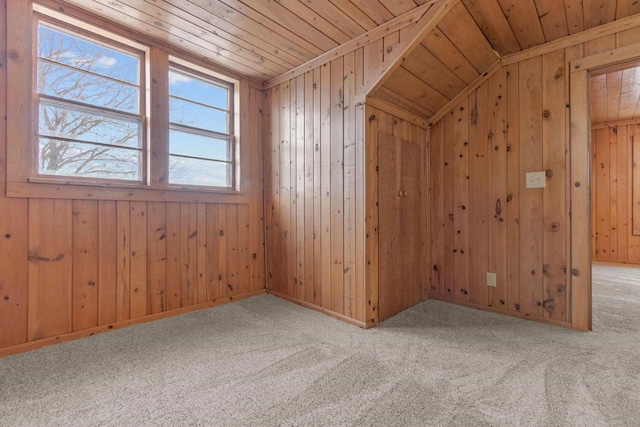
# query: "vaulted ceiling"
[[264, 38]]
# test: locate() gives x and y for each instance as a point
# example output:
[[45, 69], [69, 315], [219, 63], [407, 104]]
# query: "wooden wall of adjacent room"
[[483, 217], [615, 176], [72, 267], [316, 199]]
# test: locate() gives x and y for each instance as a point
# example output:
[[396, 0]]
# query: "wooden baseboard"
[[504, 312], [20, 348], [342, 317]]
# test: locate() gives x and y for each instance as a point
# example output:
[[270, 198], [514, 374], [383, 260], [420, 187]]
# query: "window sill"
[[46, 189]]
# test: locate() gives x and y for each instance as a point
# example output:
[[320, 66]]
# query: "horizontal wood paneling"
[[71, 266]]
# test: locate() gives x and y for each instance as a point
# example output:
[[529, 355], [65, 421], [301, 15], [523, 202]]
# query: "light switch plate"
[[491, 280], [536, 179]]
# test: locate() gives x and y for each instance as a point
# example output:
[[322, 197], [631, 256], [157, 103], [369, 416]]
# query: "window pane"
[[199, 172], [197, 116], [58, 46], [199, 90], [88, 160], [71, 123], [194, 145], [75, 85]]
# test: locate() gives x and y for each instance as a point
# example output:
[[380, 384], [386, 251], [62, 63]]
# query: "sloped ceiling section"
[[256, 38], [476, 33], [263, 39]]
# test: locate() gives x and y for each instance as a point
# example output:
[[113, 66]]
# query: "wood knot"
[[546, 114], [372, 118], [435, 268], [574, 272], [92, 283], [221, 233], [7, 236], [13, 54], [254, 256], [6, 297]]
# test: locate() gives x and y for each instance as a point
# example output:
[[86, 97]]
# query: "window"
[[201, 129], [90, 121], [93, 123]]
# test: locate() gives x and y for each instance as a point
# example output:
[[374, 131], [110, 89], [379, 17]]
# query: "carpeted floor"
[[264, 361]]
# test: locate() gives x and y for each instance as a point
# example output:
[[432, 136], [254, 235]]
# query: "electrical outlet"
[[491, 280], [536, 179]]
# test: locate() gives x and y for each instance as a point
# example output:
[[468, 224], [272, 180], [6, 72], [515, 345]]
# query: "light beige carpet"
[[267, 362]]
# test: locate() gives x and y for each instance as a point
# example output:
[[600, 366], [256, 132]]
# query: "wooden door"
[[399, 230]]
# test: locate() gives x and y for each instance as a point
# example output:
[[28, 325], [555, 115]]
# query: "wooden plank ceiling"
[[615, 96], [262, 39], [476, 33]]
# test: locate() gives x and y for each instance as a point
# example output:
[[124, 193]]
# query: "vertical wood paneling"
[[436, 197], [138, 289], [337, 186], [232, 250], [517, 124], [107, 262], [615, 153], [478, 190], [531, 200], [123, 266], [14, 249], [513, 188], [372, 161], [285, 188], [212, 247], [349, 191], [299, 166], [244, 255], [50, 267], [85, 264], [460, 160], [497, 201], [201, 221], [157, 257], [325, 182], [223, 249], [189, 253], [554, 195], [309, 196], [81, 265], [174, 257], [317, 190]]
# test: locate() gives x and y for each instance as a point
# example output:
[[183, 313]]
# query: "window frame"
[[115, 42], [188, 67], [22, 143]]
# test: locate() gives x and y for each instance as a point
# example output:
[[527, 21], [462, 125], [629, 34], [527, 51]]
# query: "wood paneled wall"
[[72, 267], [314, 190], [484, 219], [321, 185], [615, 177]]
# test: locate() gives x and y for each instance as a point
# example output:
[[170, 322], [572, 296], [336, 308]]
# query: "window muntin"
[[90, 113], [201, 129]]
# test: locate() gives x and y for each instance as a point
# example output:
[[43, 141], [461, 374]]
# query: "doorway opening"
[[614, 111]]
